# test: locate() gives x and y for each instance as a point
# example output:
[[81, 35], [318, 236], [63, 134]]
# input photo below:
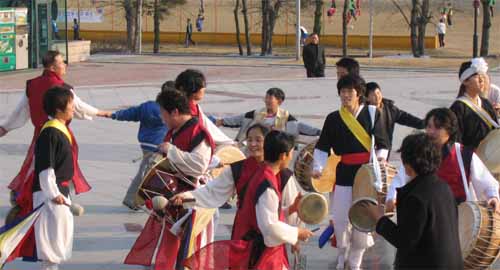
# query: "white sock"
[[46, 265], [341, 258], [355, 258]]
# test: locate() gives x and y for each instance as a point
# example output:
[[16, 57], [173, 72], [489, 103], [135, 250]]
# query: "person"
[[53, 176], [55, 30], [491, 4], [303, 35], [199, 22], [441, 30], [476, 116], [426, 234], [313, 56], [450, 15], [76, 29], [31, 107], [272, 116], [189, 147], [492, 93], [189, 33], [350, 133], [347, 66], [442, 128], [389, 113], [193, 83], [260, 218], [151, 133]]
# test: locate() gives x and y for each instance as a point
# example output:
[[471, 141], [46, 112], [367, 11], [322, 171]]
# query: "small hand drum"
[[489, 152], [313, 208], [358, 215], [227, 154]]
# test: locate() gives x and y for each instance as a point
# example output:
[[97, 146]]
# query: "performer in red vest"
[[189, 147], [457, 167], [259, 230]]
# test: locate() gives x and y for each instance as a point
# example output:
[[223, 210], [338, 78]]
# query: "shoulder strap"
[[480, 112], [59, 126], [356, 128], [469, 192]]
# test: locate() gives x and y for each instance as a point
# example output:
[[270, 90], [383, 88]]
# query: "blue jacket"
[[152, 130]]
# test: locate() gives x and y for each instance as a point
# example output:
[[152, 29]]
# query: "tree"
[[138, 26], [237, 24], [159, 9], [318, 12], [247, 31], [485, 36], [344, 27]]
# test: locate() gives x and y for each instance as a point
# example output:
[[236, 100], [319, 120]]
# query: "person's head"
[[441, 125], [274, 98], [441, 20], [420, 155], [53, 61], [188, 20], [168, 85], [471, 76], [278, 148], [347, 66], [75, 21], [193, 83], [314, 38], [58, 103], [374, 94], [351, 90], [174, 107], [255, 140]]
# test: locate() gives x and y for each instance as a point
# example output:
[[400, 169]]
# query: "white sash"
[[373, 156], [470, 195]]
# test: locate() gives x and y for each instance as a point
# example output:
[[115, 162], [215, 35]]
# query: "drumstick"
[[76, 209]]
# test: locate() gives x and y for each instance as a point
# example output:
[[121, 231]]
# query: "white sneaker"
[[340, 262]]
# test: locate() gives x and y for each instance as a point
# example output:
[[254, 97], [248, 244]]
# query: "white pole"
[[370, 52], [297, 30]]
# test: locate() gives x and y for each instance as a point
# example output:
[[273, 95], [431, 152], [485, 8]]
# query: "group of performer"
[[175, 127]]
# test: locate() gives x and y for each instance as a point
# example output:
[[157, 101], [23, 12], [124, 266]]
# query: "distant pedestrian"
[[76, 29], [199, 22], [303, 35], [441, 30], [55, 30], [189, 33], [314, 57], [449, 15]]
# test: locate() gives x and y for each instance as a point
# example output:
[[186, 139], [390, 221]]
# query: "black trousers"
[[441, 40], [319, 72]]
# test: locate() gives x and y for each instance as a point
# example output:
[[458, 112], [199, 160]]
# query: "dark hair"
[[171, 99], [464, 66], [276, 143], [371, 87], [56, 98], [190, 81], [353, 82], [277, 93], [421, 153], [446, 119], [350, 64], [168, 85], [263, 129], [49, 58]]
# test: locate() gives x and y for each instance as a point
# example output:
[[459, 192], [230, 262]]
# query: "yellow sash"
[[483, 114], [60, 126], [356, 128]]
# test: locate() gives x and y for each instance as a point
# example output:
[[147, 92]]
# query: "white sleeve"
[[217, 135], [484, 183], [319, 160], [216, 192], [290, 192], [274, 231], [83, 110], [399, 180], [194, 163], [382, 153], [48, 183], [19, 116]]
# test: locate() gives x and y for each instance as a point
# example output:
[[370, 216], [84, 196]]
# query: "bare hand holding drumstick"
[[295, 205], [177, 199], [494, 203], [374, 211], [164, 147]]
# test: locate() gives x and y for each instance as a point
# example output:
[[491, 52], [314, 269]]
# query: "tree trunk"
[[344, 28], [247, 31], [265, 24], [422, 25], [138, 26], [130, 20], [156, 23], [317, 17], [485, 36], [237, 24], [413, 28]]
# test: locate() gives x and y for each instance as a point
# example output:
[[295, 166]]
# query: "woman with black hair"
[[476, 116], [426, 235]]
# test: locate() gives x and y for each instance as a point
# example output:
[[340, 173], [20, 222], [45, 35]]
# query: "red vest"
[[190, 135], [449, 171], [245, 223]]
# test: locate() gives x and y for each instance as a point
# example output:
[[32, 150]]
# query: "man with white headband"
[[476, 116]]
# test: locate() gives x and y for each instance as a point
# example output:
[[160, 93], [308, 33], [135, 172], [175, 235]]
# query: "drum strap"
[[356, 128], [59, 126], [480, 112], [470, 195]]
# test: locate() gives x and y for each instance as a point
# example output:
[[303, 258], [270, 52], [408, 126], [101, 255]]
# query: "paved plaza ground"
[[104, 235]]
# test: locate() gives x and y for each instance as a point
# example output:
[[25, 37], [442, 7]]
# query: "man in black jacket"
[[426, 236], [314, 57], [389, 113]]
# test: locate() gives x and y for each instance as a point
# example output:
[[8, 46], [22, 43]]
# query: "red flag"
[[226, 254], [144, 247]]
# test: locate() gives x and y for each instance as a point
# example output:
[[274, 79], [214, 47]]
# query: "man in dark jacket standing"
[[426, 236], [314, 57], [389, 113]]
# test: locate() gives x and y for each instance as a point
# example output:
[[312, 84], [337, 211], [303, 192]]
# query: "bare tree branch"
[[396, 4]]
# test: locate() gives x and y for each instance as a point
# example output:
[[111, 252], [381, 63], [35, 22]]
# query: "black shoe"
[[130, 206], [226, 206]]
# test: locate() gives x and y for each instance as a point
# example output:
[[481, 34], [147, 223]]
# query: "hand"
[[390, 206], [219, 122], [494, 203], [373, 211], [3, 131], [296, 248], [164, 147], [106, 114], [294, 207], [304, 234], [59, 199], [316, 174], [177, 199]]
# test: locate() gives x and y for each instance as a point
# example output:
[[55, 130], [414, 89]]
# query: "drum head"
[[313, 208], [469, 222], [358, 215], [326, 182], [363, 183], [489, 151], [151, 184], [227, 154]]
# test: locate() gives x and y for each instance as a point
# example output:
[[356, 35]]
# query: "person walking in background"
[[314, 57], [189, 33], [199, 22], [76, 29], [449, 15], [55, 30], [441, 30]]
